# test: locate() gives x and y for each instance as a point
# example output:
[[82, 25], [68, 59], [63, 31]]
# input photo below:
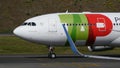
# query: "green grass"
[[14, 45]]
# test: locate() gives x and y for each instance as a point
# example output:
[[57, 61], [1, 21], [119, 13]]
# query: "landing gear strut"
[[51, 54]]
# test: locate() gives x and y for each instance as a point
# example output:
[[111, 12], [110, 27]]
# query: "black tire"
[[52, 55]]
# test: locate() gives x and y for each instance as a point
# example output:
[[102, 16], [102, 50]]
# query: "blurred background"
[[15, 12]]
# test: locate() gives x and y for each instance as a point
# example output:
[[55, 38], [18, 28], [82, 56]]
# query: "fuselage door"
[[52, 23], [101, 24]]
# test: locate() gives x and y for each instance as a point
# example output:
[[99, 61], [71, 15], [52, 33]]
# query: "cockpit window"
[[24, 24], [29, 24], [33, 24]]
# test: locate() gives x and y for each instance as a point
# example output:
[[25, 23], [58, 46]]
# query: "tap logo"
[[103, 28], [87, 26]]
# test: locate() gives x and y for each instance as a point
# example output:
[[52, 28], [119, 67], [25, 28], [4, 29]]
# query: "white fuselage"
[[47, 29]]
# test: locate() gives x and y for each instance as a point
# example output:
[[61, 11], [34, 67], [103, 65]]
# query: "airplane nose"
[[21, 32], [16, 31]]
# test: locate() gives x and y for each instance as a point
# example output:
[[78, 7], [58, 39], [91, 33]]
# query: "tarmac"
[[62, 61], [7, 35]]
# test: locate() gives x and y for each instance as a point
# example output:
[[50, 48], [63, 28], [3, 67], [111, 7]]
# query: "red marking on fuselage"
[[94, 31]]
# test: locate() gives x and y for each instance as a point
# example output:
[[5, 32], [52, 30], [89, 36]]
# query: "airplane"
[[97, 31]]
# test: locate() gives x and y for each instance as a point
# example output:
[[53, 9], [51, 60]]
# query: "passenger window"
[[116, 23]]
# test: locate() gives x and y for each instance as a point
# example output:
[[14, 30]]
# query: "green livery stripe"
[[67, 18], [76, 19], [77, 32], [83, 35]]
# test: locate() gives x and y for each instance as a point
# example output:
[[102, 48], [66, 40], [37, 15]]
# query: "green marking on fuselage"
[[77, 20], [83, 35], [68, 19], [75, 31]]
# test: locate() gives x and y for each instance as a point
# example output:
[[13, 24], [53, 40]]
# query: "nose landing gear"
[[51, 54]]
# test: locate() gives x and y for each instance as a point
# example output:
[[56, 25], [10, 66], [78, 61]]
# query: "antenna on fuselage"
[[67, 11]]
